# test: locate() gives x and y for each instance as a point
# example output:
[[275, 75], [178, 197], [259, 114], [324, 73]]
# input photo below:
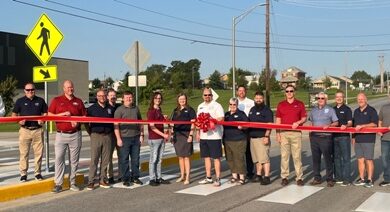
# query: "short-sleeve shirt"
[[155, 115], [131, 112], [216, 111], [232, 133], [344, 114], [30, 107], [185, 114], [245, 105], [260, 114], [290, 112], [368, 115], [384, 117], [62, 104], [323, 116], [96, 110]]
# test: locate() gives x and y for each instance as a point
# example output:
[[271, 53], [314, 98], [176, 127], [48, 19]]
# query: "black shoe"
[[38, 177], [384, 183], [266, 181], [154, 183], [57, 189], [284, 182], [257, 179], [119, 179], [162, 181], [23, 178], [137, 181], [111, 180], [126, 183]]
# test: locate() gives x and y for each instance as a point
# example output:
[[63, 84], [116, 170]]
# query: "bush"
[[8, 92]]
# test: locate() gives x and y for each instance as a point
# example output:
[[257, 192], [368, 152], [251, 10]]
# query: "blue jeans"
[[156, 152], [385, 148], [131, 146], [342, 158]]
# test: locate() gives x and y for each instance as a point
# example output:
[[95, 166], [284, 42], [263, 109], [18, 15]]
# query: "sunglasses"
[[289, 91], [207, 94], [32, 89], [322, 98]]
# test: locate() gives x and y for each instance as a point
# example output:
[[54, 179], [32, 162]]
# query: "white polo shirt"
[[216, 111], [245, 105]]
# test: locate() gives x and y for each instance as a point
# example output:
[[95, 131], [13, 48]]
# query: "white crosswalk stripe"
[[377, 202], [145, 181], [290, 194], [205, 190]]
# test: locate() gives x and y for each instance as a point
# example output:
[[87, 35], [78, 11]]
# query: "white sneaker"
[[206, 181]]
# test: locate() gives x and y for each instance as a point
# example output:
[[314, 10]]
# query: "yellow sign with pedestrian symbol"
[[44, 39], [44, 73]]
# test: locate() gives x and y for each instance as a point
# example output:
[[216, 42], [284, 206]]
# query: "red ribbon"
[[204, 122]]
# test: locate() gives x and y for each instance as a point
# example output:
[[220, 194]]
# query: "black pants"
[[248, 158], [322, 145]]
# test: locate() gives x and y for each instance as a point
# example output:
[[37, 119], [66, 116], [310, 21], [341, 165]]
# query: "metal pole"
[[387, 82], [346, 82], [193, 81], [136, 71], [267, 54], [46, 136], [234, 56]]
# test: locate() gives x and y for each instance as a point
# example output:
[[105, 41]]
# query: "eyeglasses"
[[28, 90], [322, 98], [207, 94], [289, 91]]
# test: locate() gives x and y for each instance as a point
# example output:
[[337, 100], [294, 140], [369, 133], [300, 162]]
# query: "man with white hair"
[[321, 143], [364, 143]]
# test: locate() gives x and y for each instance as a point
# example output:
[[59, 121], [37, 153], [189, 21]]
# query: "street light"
[[237, 20]]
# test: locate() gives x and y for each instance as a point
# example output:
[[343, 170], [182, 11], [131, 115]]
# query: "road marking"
[[208, 189], [145, 181], [7, 160], [290, 194], [377, 202]]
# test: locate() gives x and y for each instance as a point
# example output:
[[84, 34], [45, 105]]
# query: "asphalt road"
[[236, 198]]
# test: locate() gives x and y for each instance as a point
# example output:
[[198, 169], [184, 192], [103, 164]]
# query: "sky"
[[317, 36]]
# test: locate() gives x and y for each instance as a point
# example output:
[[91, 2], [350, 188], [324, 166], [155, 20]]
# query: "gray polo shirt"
[[132, 112], [384, 116], [323, 116]]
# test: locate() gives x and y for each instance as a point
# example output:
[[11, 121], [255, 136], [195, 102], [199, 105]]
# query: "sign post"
[[43, 41]]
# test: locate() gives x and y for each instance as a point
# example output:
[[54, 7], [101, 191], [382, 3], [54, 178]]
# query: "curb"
[[12, 192]]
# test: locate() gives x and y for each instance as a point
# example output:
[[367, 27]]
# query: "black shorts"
[[210, 148]]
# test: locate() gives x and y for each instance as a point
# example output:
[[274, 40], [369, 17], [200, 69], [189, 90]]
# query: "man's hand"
[[343, 127], [141, 139], [40, 122], [325, 127], [66, 113], [358, 127], [119, 142], [189, 139], [295, 125], [74, 124], [22, 122], [266, 140]]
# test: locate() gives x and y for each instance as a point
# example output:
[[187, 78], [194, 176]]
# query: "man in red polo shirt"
[[68, 135], [290, 111]]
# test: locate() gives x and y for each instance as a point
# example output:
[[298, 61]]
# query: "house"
[[336, 82], [291, 76]]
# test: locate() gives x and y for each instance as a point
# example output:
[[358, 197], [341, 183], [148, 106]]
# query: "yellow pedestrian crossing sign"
[[45, 73], [44, 39]]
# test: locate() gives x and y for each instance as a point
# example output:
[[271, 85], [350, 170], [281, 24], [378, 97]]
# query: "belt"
[[102, 133], [67, 132], [31, 128]]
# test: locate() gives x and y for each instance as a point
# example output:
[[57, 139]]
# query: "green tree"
[[304, 83], [157, 78], [124, 86], [184, 75], [360, 76], [253, 86], [96, 83], [327, 82], [377, 79], [109, 82], [8, 92], [273, 82], [215, 80], [240, 77]]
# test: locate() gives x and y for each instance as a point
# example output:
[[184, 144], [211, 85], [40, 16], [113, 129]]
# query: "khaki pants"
[[291, 143], [235, 156], [26, 139]]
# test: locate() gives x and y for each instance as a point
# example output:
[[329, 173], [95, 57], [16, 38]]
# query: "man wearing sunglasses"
[[321, 143], [30, 133], [211, 141], [290, 111]]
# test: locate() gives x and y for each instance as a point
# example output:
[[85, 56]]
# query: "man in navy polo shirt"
[[363, 117], [259, 139], [101, 135], [30, 132]]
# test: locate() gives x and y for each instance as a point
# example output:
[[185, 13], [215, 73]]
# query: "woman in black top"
[[183, 135]]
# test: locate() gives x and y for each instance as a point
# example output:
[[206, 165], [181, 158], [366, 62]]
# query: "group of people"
[[247, 150]]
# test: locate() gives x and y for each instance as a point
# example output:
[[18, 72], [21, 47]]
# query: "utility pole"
[[267, 54], [381, 60]]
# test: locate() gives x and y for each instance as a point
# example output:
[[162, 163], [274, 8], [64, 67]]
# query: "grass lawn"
[[169, 102]]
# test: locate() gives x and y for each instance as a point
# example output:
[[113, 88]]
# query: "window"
[[11, 55]]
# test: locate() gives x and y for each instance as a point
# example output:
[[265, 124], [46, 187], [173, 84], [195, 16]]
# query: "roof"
[[289, 79], [293, 69]]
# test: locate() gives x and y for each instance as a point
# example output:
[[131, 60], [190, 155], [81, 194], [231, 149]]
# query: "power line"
[[338, 5], [189, 39]]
